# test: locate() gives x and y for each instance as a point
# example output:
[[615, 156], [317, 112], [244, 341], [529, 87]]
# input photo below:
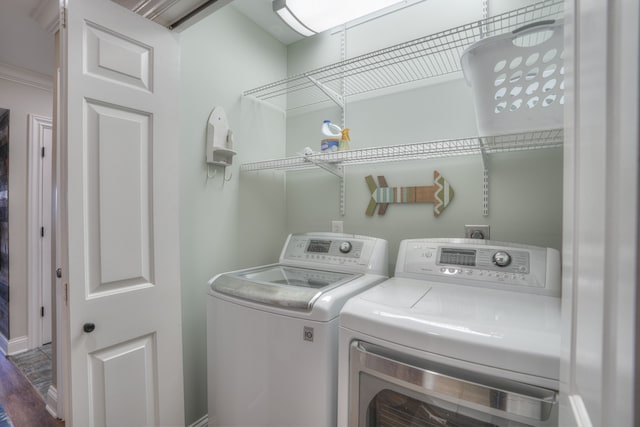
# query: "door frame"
[[599, 376], [38, 125], [62, 363]]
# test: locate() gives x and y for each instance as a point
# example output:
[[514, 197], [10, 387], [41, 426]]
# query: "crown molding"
[[46, 13], [26, 77]]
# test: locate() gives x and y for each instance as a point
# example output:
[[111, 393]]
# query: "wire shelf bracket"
[[331, 94], [333, 169]]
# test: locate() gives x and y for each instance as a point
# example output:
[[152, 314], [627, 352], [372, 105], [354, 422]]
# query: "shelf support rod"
[[335, 170], [333, 95], [343, 57], [484, 29], [485, 178], [343, 191]]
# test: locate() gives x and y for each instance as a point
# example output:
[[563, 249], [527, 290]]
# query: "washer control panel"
[[323, 250], [481, 263]]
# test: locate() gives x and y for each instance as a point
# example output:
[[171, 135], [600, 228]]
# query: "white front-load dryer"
[[272, 331], [467, 333]]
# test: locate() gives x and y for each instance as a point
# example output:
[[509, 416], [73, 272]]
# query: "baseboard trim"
[[17, 345], [14, 346], [202, 422], [51, 405]]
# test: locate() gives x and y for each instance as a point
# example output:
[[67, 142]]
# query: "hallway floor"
[[36, 366], [25, 406]]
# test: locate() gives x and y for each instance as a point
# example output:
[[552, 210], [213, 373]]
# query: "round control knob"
[[345, 247], [88, 327], [501, 259]]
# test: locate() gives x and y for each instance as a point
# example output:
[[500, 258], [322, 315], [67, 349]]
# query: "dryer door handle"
[[475, 390]]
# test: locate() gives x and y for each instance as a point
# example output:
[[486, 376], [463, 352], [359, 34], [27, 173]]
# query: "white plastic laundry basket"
[[518, 79]]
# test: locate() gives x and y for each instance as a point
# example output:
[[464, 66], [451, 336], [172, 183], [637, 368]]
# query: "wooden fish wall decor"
[[440, 194]]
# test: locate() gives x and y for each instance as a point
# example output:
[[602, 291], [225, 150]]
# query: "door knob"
[[88, 327], [58, 272]]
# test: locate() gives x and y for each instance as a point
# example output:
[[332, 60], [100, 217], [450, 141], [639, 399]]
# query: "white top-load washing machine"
[[467, 333], [272, 331]]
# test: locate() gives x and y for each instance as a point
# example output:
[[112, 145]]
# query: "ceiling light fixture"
[[309, 17]]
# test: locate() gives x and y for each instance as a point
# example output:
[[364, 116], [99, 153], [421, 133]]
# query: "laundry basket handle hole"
[[533, 25], [533, 34]]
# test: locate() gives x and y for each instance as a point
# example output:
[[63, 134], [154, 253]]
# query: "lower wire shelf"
[[417, 151]]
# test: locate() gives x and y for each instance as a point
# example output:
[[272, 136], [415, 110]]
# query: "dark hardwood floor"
[[21, 401]]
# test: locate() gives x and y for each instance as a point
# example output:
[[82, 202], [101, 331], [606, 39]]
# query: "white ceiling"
[[168, 12], [24, 43], [261, 12]]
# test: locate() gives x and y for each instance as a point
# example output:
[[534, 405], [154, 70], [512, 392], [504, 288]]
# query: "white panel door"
[[120, 118], [40, 229], [46, 206]]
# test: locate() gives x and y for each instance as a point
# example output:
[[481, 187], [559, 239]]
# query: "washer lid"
[[280, 285]]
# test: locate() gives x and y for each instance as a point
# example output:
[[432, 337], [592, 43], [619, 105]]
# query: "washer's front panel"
[[269, 370], [334, 251]]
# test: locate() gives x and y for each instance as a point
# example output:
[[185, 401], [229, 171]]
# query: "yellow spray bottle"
[[344, 140]]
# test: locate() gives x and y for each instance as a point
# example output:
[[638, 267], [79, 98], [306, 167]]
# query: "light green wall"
[[525, 188], [234, 224]]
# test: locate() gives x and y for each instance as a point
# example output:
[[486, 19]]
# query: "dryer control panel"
[[336, 251], [481, 263]]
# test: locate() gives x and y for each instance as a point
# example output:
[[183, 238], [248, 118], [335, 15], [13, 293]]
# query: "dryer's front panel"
[[391, 389]]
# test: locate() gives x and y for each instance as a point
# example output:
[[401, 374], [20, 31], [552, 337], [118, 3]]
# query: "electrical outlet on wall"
[[337, 226], [476, 232]]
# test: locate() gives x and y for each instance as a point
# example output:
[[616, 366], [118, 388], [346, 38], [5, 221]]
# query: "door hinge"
[[41, 311], [66, 293], [42, 151], [41, 231], [63, 17]]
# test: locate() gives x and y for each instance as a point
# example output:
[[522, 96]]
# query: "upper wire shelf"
[[416, 151], [426, 57]]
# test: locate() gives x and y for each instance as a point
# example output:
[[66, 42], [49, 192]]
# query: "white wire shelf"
[[426, 57], [416, 151]]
